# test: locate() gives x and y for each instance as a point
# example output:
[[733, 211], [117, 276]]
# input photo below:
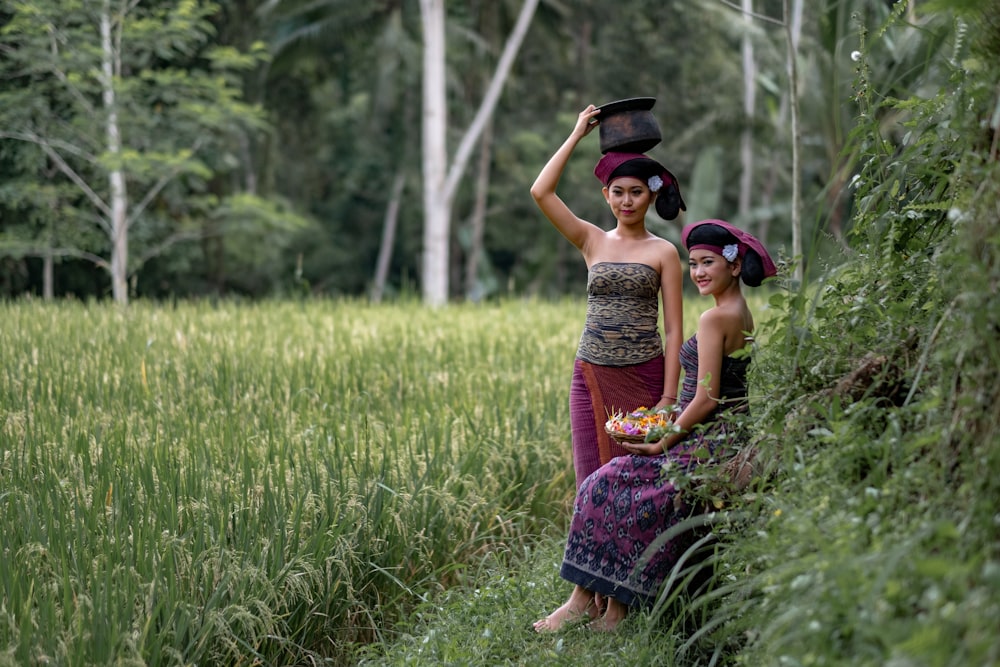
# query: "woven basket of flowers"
[[640, 425], [624, 437]]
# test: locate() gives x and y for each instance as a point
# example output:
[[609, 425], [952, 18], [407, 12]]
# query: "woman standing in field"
[[613, 551], [620, 363]]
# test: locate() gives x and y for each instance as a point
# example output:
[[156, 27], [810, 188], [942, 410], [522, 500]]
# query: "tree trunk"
[[434, 280], [749, 104], [116, 178], [478, 222], [440, 182], [388, 238], [48, 276], [766, 200], [793, 20]]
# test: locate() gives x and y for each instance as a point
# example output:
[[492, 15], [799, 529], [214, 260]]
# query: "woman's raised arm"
[[543, 190]]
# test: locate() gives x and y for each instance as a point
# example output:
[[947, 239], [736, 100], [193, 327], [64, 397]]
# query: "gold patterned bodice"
[[622, 310]]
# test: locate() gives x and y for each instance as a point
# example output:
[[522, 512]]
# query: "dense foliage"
[[301, 203], [879, 543], [119, 127]]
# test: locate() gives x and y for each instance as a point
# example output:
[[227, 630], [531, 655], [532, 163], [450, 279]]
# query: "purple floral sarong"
[[624, 506]]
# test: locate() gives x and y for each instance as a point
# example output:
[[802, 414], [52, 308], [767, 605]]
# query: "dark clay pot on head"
[[628, 126]]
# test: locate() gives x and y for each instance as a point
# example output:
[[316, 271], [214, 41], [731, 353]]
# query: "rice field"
[[266, 483]]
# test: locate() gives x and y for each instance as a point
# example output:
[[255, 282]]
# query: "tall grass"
[[227, 484]]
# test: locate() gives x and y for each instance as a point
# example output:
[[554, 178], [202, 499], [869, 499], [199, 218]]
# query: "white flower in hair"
[[655, 183], [730, 252]]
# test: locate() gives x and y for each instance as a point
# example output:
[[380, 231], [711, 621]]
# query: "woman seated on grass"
[[622, 507]]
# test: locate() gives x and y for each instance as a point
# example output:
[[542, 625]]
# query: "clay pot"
[[628, 126]]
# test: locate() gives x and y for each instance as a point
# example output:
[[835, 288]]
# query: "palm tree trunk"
[[434, 278], [116, 178]]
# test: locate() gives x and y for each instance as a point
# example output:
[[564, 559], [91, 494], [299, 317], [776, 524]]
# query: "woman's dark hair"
[[669, 202], [752, 270]]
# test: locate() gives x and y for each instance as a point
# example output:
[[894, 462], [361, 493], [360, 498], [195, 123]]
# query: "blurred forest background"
[[267, 149]]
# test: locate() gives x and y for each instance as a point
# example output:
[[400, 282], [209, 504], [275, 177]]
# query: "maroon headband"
[[719, 250]]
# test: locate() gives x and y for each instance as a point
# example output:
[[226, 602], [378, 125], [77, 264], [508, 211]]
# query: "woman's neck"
[[635, 232], [730, 295]]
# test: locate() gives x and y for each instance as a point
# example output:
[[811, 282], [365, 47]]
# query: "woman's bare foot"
[[615, 614], [579, 606]]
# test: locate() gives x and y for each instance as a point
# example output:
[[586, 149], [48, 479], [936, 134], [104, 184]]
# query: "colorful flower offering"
[[645, 423]]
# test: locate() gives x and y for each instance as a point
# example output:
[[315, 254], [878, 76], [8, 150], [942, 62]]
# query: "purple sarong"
[[596, 393]]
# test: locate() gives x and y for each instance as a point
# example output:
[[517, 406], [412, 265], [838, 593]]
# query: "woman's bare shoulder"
[[721, 319], [666, 253], [728, 324], [663, 245]]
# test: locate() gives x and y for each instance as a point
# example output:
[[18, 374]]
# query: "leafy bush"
[[876, 543]]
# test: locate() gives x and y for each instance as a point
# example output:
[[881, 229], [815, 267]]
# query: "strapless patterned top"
[[622, 310], [732, 379]]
